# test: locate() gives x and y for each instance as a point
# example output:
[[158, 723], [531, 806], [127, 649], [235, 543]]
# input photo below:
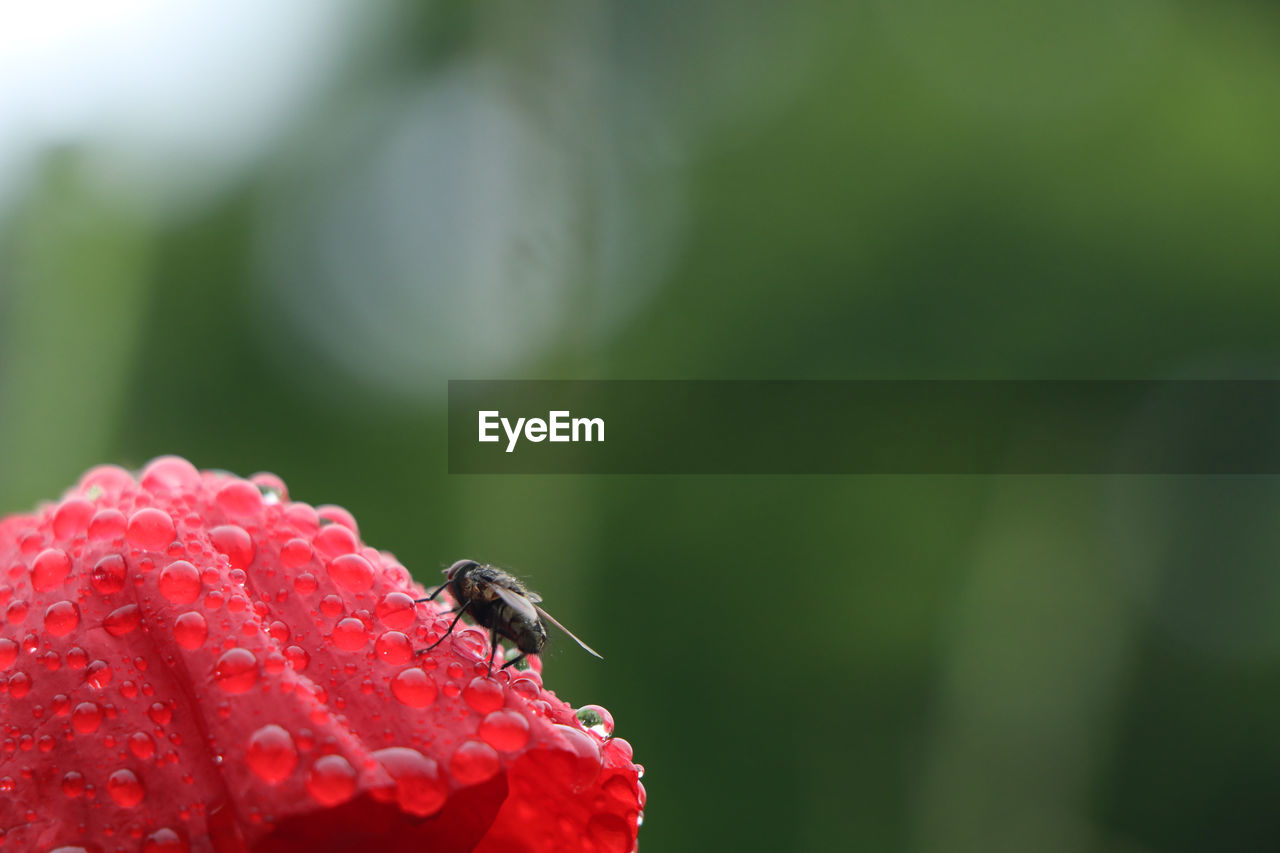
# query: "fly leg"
[[448, 631]]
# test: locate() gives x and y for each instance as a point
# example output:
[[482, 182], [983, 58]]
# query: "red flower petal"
[[190, 662]]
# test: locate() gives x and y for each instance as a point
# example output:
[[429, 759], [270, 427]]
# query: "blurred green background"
[[263, 236]]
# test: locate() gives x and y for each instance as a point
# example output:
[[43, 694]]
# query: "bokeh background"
[[264, 235]]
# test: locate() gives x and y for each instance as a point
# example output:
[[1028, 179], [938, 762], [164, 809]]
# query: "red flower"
[[191, 662]]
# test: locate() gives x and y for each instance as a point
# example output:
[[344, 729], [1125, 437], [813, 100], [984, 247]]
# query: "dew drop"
[[151, 529], [98, 674], [190, 630], [107, 525], [472, 641], [271, 487], [180, 582], [122, 620], [483, 694], [271, 755], [298, 657], [305, 584], [394, 648], [169, 473], [8, 652], [160, 714], [334, 539], [108, 574], [333, 514], [351, 572], [421, 788], [596, 720], [16, 612], [71, 518], [505, 730], [19, 685], [235, 543], [61, 618], [142, 745], [72, 784], [474, 762], [77, 658], [296, 552], [125, 788], [240, 500], [395, 610], [350, 635], [164, 841], [331, 781], [86, 718], [414, 688], [236, 671], [331, 606], [50, 569]]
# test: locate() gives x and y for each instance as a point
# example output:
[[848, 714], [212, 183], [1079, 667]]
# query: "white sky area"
[[175, 95]]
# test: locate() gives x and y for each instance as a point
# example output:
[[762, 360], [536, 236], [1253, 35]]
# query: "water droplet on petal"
[[125, 788], [414, 688], [108, 574], [474, 762], [72, 518], [142, 745], [298, 657], [50, 569], [483, 694], [240, 499], [506, 730], [271, 755], [235, 543], [164, 841], [16, 612], [8, 652], [271, 487], [180, 582], [86, 718], [160, 714], [107, 525], [596, 720], [333, 514], [19, 685], [236, 671], [151, 529], [296, 552], [97, 674], [73, 784], [396, 611], [350, 635], [190, 630], [421, 788], [394, 648], [334, 539], [122, 620], [352, 572], [61, 618], [331, 781]]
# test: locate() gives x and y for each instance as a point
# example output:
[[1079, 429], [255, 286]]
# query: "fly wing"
[[516, 602], [572, 636]]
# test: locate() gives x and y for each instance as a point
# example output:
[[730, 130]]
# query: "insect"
[[498, 601]]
